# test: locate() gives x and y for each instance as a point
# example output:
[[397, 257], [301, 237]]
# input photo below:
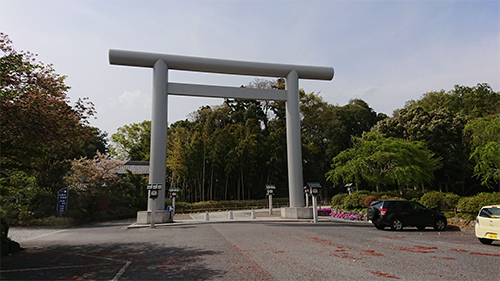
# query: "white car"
[[487, 225]]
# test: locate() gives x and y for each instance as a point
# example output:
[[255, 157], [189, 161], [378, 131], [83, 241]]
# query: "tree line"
[[446, 141]]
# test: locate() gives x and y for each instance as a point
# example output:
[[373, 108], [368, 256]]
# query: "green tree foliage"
[[40, 129], [442, 131], [383, 161], [132, 142], [439, 119], [477, 101], [337, 128], [485, 142], [97, 142]]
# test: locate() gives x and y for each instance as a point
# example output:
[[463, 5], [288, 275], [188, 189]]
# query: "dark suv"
[[400, 213]]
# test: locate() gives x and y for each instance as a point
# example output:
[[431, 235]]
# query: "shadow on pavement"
[[134, 261]]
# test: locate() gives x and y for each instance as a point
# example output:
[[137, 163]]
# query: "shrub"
[[356, 200], [473, 204], [450, 201], [338, 200], [43, 204], [389, 195], [369, 200], [412, 195], [466, 216], [432, 200], [4, 226]]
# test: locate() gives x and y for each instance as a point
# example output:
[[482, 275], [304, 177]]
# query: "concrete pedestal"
[[144, 217], [297, 213]]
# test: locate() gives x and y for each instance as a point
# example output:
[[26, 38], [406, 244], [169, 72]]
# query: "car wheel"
[[379, 226], [485, 241], [420, 227], [396, 224], [440, 224]]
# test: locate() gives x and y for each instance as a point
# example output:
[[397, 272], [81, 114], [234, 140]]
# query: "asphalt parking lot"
[[332, 249]]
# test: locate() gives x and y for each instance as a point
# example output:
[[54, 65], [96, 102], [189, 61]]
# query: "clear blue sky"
[[384, 52]]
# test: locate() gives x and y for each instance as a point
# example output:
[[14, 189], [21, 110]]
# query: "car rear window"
[[490, 213]]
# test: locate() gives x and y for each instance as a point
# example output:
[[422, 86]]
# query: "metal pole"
[[159, 132], [294, 148], [173, 205], [270, 204], [153, 214], [315, 209]]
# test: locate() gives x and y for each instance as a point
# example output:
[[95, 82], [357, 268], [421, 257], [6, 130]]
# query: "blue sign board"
[[62, 200], [170, 209]]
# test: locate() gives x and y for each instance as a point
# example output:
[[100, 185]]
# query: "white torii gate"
[[161, 63]]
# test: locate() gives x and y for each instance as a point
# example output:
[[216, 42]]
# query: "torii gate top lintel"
[[143, 59]]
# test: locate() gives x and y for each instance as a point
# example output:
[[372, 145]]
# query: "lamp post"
[[154, 190], [270, 192], [314, 188], [306, 192], [173, 193], [348, 186]]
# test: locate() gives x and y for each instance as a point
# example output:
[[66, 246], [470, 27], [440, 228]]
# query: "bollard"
[[230, 215], [207, 217], [253, 214]]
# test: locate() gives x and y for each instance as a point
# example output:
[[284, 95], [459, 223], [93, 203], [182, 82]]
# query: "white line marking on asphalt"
[[119, 274], [115, 278], [122, 270], [47, 268]]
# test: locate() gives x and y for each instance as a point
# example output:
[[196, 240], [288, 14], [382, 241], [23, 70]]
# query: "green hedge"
[[184, 207], [474, 203], [433, 200], [338, 200], [356, 200]]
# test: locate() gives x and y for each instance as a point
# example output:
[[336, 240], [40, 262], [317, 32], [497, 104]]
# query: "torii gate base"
[[297, 213], [161, 63], [161, 216]]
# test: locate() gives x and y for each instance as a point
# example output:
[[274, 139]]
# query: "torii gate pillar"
[[161, 63], [293, 141]]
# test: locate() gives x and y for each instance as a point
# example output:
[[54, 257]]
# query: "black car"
[[400, 213]]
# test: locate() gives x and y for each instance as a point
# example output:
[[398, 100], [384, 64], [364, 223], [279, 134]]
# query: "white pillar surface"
[[158, 158], [294, 147]]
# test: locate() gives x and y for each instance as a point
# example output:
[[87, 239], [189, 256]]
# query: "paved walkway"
[[260, 215]]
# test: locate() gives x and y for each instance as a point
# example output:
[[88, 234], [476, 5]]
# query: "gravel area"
[[182, 217]]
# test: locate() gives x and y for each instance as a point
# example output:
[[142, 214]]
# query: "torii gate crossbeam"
[[161, 63]]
